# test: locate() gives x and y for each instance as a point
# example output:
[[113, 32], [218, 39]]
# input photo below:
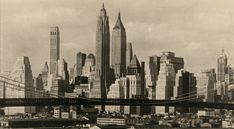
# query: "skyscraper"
[[54, 48], [89, 67], [22, 73], [165, 83], [62, 70], [44, 74], [118, 53], [58, 87], [178, 62], [117, 92], [222, 66], [134, 67], [39, 83], [229, 75], [39, 86], [206, 85], [129, 54], [185, 88], [154, 65], [102, 50], [80, 62]]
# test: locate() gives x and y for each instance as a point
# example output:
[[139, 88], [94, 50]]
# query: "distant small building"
[[64, 115], [57, 112], [111, 121], [205, 113]]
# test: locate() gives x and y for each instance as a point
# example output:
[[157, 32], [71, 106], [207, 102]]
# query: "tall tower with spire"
[[103, 50], [222, 66], [118, 52]]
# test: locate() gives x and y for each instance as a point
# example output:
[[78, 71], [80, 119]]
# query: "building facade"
[[22, 75], [116, 92], [80, 62], [44, 74], [178, 62], [54, 48], [103, 51], [185, 88], [89, 67], [62, 70], [129, 54], [154, 66], [58, 87], [118, 53], [222, 66], [165, 84], [206, 82]]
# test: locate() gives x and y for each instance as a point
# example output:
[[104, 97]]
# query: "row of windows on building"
[[52, 33]]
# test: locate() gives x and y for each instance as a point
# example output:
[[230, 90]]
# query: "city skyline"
[[100, 63], [172, 31]]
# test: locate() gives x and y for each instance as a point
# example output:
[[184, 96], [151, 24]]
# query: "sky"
[[196, 30]]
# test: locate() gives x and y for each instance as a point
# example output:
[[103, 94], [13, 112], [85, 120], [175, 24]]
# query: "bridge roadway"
[[94, 101]]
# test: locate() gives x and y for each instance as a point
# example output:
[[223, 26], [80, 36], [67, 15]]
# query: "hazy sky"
[[194, 29]]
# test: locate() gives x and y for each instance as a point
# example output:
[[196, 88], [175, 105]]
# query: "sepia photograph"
[[116, 64]]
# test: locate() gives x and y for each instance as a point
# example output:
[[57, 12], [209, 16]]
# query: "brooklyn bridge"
[[186, 101], [94, 101]]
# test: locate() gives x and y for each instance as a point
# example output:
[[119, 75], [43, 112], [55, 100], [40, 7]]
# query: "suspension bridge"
[[95, 101], [185, 100]]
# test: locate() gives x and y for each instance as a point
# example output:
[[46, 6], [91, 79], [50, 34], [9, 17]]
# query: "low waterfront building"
[[111, 121]]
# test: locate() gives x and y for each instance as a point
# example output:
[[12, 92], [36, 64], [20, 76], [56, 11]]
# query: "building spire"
[[103, 11], [119, 15], [103, 7], [45, 68], [119, 24], [222, 50]]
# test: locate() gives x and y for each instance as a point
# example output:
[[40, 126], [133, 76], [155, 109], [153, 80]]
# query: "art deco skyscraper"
[[222, 66], [118, 55], [54, 48], [103, 49]]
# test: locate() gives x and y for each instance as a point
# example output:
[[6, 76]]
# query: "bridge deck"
[[94, 101]]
